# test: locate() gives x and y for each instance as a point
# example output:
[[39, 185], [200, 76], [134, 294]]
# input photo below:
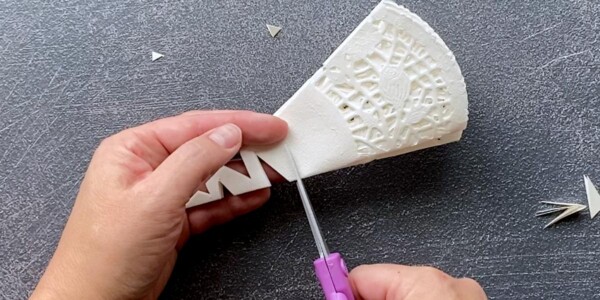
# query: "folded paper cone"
[[391, 87]]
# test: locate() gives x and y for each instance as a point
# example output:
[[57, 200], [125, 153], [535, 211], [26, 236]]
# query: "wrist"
[[71, 275]]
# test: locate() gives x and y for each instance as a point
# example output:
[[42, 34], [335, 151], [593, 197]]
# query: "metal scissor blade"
[[310, 213]]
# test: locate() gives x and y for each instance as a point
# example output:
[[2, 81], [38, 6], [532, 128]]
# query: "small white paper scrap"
[[273, 30], [156, 55]]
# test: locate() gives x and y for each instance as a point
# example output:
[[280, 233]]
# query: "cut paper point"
[[564, 204], [593, 196], [156, 55], [273, 30], [565, 209], [573, 209], [550, 211]]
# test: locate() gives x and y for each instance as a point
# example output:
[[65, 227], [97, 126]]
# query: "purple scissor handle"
[[333, 275], [330, 267]]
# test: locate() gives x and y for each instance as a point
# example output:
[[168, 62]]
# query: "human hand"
[[129, 218], [396, 282]]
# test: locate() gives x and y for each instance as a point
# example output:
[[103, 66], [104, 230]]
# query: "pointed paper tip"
[[593, 196], [573, 209], [156, 55], [273, 30]]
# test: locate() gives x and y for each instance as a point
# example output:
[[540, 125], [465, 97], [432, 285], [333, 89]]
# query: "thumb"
[[388, 281], [182, 172]]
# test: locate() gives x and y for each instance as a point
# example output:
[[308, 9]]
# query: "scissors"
[[329, 267]]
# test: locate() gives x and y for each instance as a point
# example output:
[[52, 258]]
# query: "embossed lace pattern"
[[388, 88]]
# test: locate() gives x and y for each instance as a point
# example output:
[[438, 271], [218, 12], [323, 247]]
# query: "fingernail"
[[226, 136]]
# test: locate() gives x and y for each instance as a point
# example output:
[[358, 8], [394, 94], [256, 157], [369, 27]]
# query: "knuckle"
[[198, 147], [435, 274], [469, 282], [118, 139], [106, 147], [207, 156], [359, 270], [106, 142]]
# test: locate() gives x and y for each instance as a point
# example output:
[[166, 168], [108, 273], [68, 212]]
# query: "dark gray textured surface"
[[73, 72]]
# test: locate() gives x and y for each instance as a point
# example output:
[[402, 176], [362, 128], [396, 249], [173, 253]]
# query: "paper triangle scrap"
[[156, 55], [273, 30]]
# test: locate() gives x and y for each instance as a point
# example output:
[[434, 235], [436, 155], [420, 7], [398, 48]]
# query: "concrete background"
[[73, 72]]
